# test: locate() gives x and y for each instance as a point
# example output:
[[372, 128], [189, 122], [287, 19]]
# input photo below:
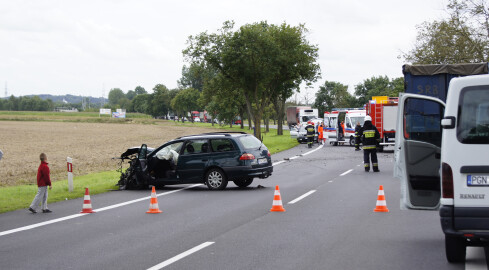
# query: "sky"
[[88, 47]]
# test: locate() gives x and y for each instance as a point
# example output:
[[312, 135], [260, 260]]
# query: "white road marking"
[[33, 226], [347, 172], [181, 256], [302, 197], [312, 151], [475, 259], [278, 162], [330, 181], [294, 157]]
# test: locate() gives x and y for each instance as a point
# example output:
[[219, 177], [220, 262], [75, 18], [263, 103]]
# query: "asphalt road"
[[334, 227]]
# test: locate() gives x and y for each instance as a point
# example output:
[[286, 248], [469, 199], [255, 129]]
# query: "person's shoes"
[[32, 210], [376, 170], [367, 170], [47, 211]]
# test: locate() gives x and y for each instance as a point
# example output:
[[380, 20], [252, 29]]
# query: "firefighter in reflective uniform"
[[370, 138], [357, 136], [310, 134]]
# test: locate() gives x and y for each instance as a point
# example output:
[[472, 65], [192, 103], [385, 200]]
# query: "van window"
[[422, 120], [473, 115], [196, 147]]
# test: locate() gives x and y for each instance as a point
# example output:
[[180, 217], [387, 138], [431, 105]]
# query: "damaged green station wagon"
[[210, 158]]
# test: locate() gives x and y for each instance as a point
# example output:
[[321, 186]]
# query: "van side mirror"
[[448, 122]]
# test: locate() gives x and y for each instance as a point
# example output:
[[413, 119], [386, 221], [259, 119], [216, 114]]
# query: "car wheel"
[[215, 179], [243, 182], [335, 143], [352, 141], [455, 249]]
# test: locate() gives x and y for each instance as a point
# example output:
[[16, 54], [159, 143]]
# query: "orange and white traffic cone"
[[381, 205], [87, 204], [153, 203], [277, 202]]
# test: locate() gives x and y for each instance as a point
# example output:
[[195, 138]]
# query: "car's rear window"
[[473, 115], [249, 142]]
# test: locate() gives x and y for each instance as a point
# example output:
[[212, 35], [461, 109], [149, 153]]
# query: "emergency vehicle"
[[333, 119], [383, 111]]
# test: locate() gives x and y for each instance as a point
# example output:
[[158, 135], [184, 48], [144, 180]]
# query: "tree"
[[140, 103], [463, 37], [186, 101], [334, 95], [131, 94], [115, 95], [378, 86], [140, 90], [159, 101], [195, 76], [258, 60]]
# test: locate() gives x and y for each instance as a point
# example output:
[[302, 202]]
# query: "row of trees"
[[34, 103]]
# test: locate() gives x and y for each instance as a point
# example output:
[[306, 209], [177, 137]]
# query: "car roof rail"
[[224, 133]]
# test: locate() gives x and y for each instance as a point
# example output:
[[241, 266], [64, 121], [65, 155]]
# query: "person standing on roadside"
[[320, 135], [357, 136], [370, 138], [43, 181]]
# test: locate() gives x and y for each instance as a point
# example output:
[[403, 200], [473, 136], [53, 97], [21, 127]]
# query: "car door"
[[141, 164], [193, 160], [417, 151]]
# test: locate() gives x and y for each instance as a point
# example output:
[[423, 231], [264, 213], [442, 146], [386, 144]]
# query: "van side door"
[[417, 151]]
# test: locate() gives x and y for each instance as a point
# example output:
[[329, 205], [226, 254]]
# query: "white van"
[[443, 162]]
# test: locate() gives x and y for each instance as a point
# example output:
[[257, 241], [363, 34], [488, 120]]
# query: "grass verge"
[[18, 197]]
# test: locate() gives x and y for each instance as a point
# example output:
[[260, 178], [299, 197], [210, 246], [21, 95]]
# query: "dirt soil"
[[91, 145]]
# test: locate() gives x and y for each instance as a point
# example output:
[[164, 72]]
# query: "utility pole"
[[6, 92]]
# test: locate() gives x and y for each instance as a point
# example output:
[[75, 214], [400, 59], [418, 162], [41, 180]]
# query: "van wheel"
[[352, 141], [243, 182], [455, 249], [335, 144], [215, 179]]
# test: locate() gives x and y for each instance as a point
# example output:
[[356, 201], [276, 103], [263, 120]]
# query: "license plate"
[[478, 180], [262, 161]]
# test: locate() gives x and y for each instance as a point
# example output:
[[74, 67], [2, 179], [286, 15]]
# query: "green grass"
[[18, 197], [70, 114]]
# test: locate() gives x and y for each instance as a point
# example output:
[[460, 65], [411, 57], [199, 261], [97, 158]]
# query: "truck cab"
[[441, 158]]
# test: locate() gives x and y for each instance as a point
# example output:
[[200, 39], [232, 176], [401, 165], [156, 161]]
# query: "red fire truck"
[[383, 111]]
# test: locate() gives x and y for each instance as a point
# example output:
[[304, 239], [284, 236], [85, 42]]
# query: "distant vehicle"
[[210, 158], [441, 150], [194, 115], [300, 114], [300, 133], [349, 117], [383, 111], [196, 119]]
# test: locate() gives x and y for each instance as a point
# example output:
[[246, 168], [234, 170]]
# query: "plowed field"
[[91, 145]]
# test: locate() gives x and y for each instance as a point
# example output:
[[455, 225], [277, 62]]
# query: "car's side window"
[[222, 145], [196, 147]]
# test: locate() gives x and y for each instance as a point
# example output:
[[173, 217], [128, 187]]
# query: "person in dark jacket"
[[43, 181], [370, 138], [310, 134], [358, 127]]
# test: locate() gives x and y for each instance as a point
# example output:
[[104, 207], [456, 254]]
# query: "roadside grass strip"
[[302, 197], [181, 256], [36, 225], [19, 197]]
